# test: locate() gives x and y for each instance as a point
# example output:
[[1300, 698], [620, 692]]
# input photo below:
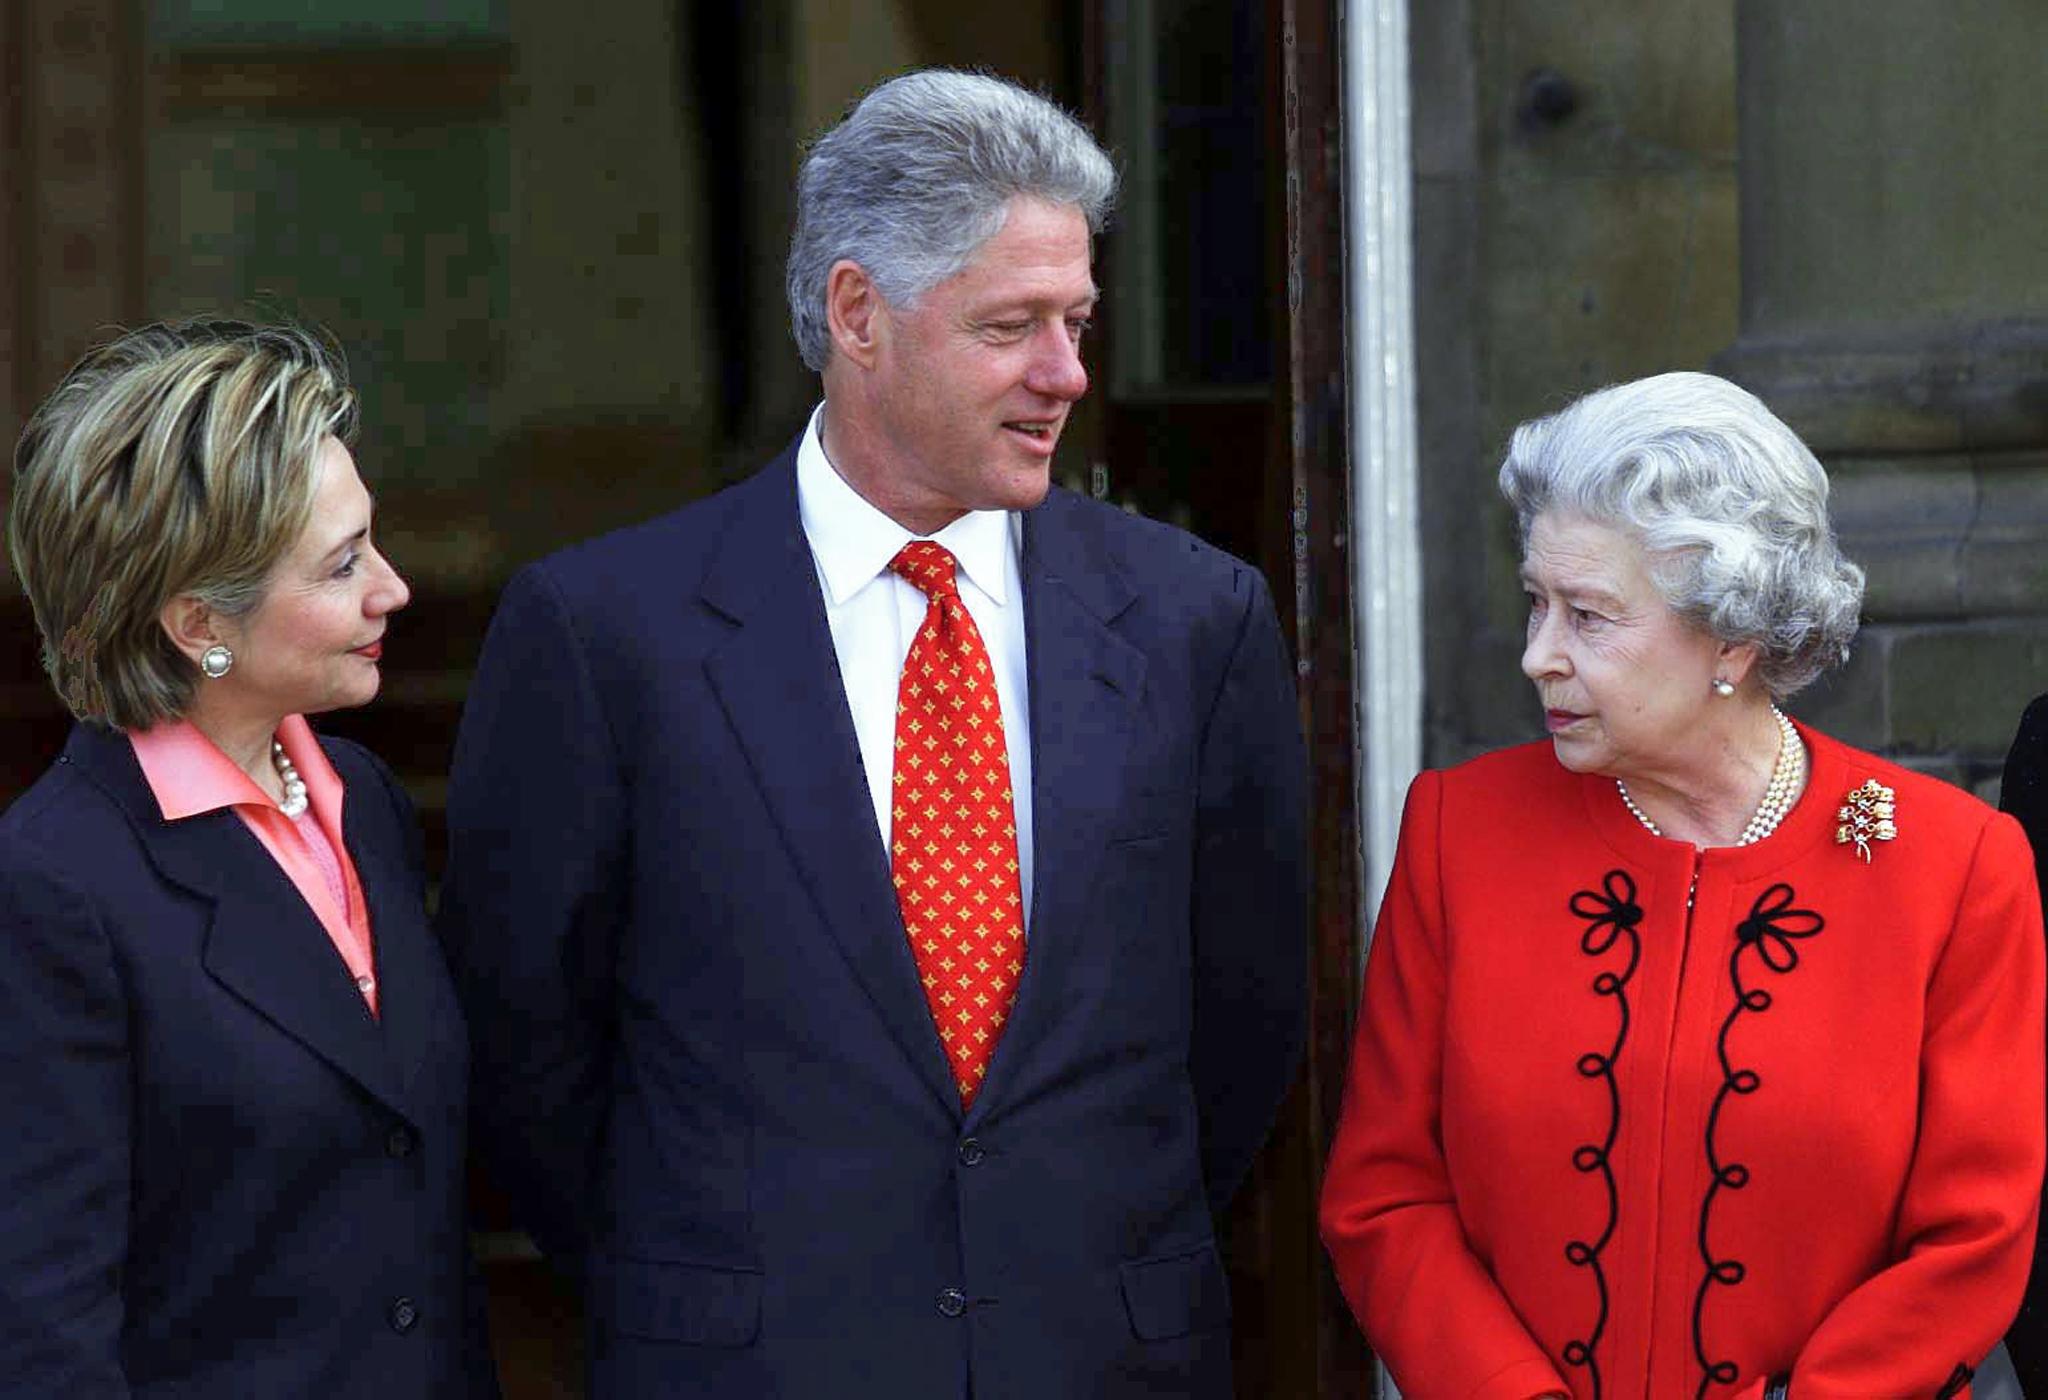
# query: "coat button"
[[399, 1142], [404, 1314], [972, 1152], [952, 1302]]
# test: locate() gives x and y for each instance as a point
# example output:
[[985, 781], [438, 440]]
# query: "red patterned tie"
[[953, 826]]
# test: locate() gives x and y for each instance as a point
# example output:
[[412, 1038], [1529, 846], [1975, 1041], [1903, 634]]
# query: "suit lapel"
[[267, 948], [407, 957], [263, 944], [777, 678], [1086, 681]]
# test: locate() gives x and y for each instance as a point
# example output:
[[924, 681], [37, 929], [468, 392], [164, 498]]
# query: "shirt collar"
[[188, 775], [853, 542]]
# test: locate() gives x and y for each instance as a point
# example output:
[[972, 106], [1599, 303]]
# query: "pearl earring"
[[1723, 687], [216, 661]]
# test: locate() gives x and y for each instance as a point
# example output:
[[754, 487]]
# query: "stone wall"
[[1838, 205], [1575, 225], [1894, 213]]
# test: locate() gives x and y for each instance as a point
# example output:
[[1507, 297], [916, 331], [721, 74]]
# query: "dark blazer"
[[2025, 795], [705, 1065], [219, 1176]]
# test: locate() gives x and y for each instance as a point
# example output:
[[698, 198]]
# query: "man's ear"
[[190, 625], [855, 313]]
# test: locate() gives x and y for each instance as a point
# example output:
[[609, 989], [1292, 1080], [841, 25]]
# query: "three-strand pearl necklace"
[[294, 803], [1788, 775]]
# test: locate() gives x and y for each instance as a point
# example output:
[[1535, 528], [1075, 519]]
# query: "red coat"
[[1593, 1142]]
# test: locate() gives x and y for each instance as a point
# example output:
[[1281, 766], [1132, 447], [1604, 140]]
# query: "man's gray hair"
[[1730, 505], [919, 175]]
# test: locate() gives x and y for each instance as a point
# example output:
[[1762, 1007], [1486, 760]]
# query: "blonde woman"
[[231, 1146]]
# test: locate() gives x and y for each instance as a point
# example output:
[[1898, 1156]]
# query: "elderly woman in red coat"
[[1700, 1054]]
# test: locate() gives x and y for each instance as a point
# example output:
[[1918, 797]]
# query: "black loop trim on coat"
[[1611, 914], [1772, 931]]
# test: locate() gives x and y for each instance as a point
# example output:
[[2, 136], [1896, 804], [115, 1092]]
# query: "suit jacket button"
[[404, 1315], [952, 1302], [399, 1142], [972, 1152]]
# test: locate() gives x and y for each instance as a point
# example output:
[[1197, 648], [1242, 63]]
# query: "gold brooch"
[[1866, 816]]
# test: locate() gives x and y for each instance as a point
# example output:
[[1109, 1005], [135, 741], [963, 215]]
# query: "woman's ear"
[[190, 625], [1735, 662]]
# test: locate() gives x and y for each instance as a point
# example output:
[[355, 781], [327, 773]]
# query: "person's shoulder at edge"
[[2035, 715], [2027, 756], [2023, 791]]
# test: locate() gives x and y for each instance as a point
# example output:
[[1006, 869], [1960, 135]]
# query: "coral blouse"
[[188, 775], [1627, 1119]]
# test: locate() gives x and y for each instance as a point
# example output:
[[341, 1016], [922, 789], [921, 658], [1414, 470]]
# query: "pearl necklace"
[[294, 803], [1788, 776]]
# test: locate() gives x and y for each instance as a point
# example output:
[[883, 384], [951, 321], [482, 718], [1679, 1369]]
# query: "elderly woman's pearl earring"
[[216, 662], [1723, 687]]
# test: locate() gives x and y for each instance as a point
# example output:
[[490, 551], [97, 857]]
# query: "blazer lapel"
[[777, 678], [408, 968], [1086, 681], [264, 945]]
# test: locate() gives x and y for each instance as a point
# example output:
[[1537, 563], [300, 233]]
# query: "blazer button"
[[399, 1142], [952, 1302], [972, 1152], [404, 1315]]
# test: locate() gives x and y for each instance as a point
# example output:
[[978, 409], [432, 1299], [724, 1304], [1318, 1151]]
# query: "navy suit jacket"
[[704, 1062], [219, 1175], [2024, 793]]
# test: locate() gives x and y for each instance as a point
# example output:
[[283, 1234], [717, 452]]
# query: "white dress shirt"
[[874, 615]]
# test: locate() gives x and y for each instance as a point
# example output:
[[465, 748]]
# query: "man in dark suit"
[[877, 889]]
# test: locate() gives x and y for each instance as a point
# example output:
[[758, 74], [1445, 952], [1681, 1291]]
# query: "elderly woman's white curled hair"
[[1730, 505]]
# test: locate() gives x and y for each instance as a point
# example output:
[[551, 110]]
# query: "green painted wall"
[[318, 23], [392, 238]]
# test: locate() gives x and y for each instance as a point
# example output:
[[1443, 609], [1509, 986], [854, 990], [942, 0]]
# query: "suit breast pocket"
[[695, 1304], [1147, 814], [1177, 1294]]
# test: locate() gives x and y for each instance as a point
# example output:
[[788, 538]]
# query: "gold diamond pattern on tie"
[[953, 824]]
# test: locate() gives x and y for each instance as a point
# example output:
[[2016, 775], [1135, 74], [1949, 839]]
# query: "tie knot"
[[928, 566]]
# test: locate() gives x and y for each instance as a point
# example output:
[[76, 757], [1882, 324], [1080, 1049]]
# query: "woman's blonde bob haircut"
[[174, 460]]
